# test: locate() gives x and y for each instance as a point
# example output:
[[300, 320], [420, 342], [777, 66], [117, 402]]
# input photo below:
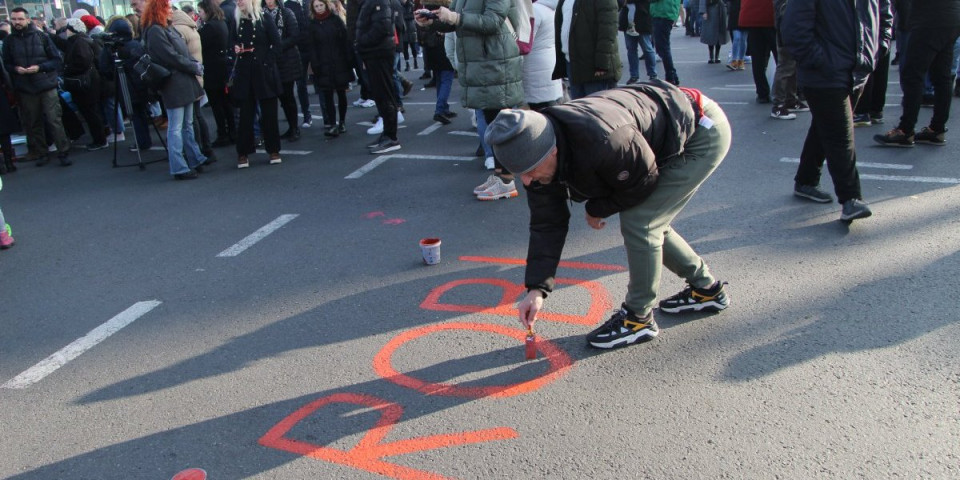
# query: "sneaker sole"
[[275, 162], [497, 196], [783, 117], [385, 150], [641, 336], [929, 142], [811, 197], [699, 307], [245, 165], [858, 216], [897, 145]]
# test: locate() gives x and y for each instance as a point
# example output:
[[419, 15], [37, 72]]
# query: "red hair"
[[156, 12]]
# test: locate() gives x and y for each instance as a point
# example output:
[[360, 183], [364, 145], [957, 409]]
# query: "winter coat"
[[289, 61], [610, 146], [9, 122], [665, 9], [714, 28], [375, 29], [538, 65], [302, 12], [79, 62], [642, 21], [184, 24], [756, 14], [934, 14], [256, 71], [216, 47], [835, 43], [167, 48], [229, 8], [353, 10], [27, 47], [129, 53], [901, 10], [489, 64], [410, 24], [593, 43], [733, 15], [331, 63], [434, 52]]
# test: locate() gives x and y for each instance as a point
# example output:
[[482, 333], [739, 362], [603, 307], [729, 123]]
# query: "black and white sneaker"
[[386, 145], [624, 328], [697, 299]]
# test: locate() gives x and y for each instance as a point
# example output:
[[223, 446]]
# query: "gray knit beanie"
[[521, 139]]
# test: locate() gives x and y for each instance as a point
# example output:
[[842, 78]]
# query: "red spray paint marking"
[[191, 474], [373, 215], [520, 261], [393, 221], [367, 454]]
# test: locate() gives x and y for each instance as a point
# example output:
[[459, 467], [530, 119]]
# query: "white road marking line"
[[255, 237], [379, 160], [465, 134], [888, 166], [902, 178], [734, 103], [288, 152], [432, 128], [49, 365]]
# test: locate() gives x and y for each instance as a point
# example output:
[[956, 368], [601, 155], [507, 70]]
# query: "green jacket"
[[489, 62], [669, 9], [593, 41]]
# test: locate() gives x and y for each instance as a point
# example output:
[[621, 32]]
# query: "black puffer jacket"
[[27, 47], [375, 29], [332, 65], [934, 14], [289, 61], [610, 146]]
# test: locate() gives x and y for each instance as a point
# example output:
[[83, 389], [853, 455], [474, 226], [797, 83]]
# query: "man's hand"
[[448, 16], [529, 307], [21, 70], [595, 222]]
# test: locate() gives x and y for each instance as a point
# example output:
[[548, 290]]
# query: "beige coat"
[[188, 28]]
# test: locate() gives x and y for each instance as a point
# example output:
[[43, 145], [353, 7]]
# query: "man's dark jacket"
[[610, 146], [934, 13], [27, 47], [594, 44], [375, 29], [836, 43]]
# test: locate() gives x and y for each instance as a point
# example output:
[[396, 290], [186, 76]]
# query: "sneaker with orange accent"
[[711, 299], [623, 328], [499, 190]]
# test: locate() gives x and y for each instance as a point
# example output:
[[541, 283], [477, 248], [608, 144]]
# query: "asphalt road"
[[326, 349]]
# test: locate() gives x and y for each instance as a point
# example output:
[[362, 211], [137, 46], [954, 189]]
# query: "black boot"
[[426, 75], [415, 66], [408, 66], [956, 88]]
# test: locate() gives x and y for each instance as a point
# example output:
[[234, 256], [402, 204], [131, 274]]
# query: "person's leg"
[[270, 125], [633, 58], [141, 125], [329, 117], [380, 73], [758, 46], [246, 141], [175, 132], [649, 56], [914, 64], [31, 115], [833, 119], [201, 133], [785, 80], [94, 123], [302, 94], [661, 32], [191, 146], [481, 131], [649, 239], [342, 109], [942, 77], [444, 85], [289, 105], [215, 99], [362, 79], [53, 113]]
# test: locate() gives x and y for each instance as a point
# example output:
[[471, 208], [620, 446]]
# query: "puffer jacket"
[[836, 44], [666, 9], [489, 64], [538, 84], [188, 29], [610, 146], [756, 14], [302, 13], [289, 61], [332, 65], [27, 47], [593, 42], [375, 29]]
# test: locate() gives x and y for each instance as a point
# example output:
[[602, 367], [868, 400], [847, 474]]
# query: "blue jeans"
[[180, 140], [739, 45], [661, 40], [444, 84], [580, 90], [114, 117], [481, 130], [642, 42]]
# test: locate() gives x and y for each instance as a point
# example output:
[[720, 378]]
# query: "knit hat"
[[76, 25], [90, 21], [79, 13], [521, 139]]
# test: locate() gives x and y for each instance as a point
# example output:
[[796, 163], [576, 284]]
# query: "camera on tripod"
[[109, 40]]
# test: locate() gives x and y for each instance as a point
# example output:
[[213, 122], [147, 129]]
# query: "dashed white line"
[[383, 158], [903, 178], [255, 237], [887, 166], [465, 134], [49, 365], [432, 128]]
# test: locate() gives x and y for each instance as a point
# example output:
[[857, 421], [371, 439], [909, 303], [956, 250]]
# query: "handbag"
[[152, 74], [79, 83], [523, 33]]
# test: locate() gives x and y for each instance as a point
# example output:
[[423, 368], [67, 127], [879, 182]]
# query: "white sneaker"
[[489, 163], [399, 117], [359, 102], [376, 129], [368, 104], [116, 137], [485, 185], [307, 124], [499, 190]]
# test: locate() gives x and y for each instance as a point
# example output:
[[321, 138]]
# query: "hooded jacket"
[[27, 47], [538, 65], [188, 29], [836, 44], [610, 146]]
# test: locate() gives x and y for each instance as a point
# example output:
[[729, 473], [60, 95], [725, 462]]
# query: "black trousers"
[[761, 43], [929, 50], [302, 93], [269, 127], [90, 111], [222, 111], [289, 104], [200, 130], [830, 138], [384, 92], [329, 113], [874, 95]]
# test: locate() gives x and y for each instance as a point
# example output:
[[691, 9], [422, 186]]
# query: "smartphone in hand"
[[424, 13]]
